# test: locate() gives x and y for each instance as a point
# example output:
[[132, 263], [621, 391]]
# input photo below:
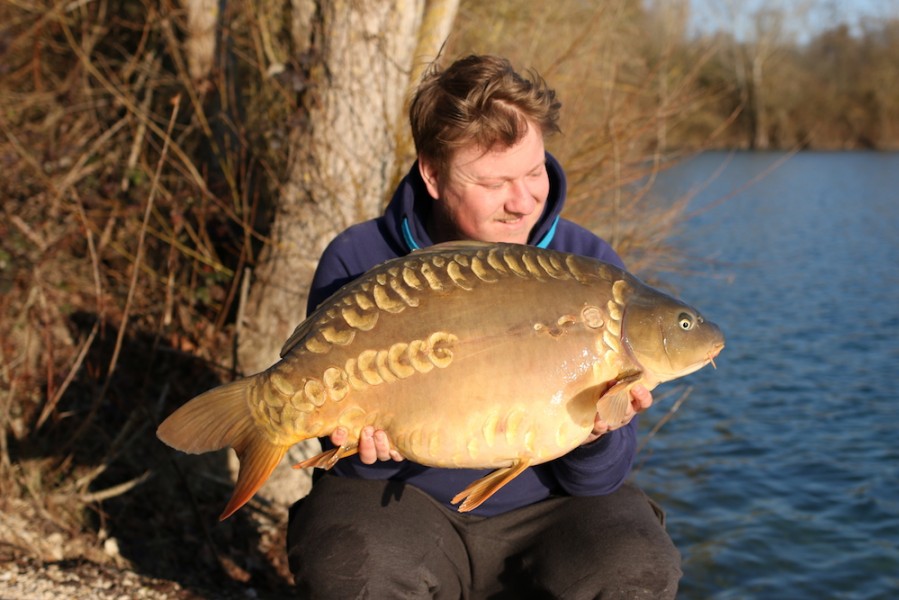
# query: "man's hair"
[[478, 99]]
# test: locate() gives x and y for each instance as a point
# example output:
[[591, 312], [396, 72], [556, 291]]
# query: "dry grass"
[[131, 201], [133, 198]]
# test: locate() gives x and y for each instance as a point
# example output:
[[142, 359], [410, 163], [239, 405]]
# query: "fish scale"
[[468, 355]]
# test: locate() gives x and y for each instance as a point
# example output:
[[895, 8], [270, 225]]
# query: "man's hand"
[[641, 399], [374, 445]]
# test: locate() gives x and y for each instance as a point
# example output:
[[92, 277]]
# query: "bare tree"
[[767, 30], [357, 59]]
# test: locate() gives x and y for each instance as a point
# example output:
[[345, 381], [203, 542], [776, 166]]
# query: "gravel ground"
[[90, 581], [39, 561], [82, 580]]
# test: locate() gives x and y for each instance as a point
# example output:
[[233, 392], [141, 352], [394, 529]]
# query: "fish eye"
[[685, 321]]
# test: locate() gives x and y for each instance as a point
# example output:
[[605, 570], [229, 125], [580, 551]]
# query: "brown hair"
[[478, 99]]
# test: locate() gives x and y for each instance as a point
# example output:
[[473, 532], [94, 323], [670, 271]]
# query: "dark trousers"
[[352, 538]]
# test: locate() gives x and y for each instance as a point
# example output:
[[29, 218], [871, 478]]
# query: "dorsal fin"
[[305, 327], [301, 331], [453, 245]]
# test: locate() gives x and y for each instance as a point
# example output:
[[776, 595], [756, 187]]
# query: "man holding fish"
[[378, 526]]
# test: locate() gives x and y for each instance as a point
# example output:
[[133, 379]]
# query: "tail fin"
[[220, 418]]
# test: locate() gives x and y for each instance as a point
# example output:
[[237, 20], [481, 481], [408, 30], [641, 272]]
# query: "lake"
[[779, 470]]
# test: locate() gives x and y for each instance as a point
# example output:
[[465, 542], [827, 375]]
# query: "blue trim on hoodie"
[[544, 243], [411, 244]]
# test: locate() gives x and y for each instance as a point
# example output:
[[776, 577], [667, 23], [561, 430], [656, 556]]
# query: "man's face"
[[494, 196]]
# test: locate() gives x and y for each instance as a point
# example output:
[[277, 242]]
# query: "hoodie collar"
[[408, 209]]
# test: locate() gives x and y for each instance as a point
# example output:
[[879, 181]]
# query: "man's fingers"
[[367, 452], [382, 445], [338, 437], [385, 450], [372, 445], [641, 398]]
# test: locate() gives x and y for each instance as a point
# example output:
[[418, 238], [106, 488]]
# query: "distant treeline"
[[838, 91], [633, 75]]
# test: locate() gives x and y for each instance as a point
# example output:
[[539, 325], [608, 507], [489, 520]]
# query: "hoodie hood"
[[408, 210]]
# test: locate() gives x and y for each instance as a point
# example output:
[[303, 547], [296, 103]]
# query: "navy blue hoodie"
[[595, 469]]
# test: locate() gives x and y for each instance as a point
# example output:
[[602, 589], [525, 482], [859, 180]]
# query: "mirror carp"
[[469, 355]]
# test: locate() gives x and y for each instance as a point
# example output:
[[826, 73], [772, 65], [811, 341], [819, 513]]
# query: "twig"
[[141, 129], [126, 436], [668, 416], [79, 170], [116, 490], [28, 232], [51, 405], [57, 395], [242, 303], [95, 261], [26, 156], [5, 462], [176, 103], [141, 239], [241, 315], [748, 184], [131, 106]]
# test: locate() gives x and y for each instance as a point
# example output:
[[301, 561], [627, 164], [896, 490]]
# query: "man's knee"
[[637, 571], [346, 564], [606, 548], [342, 542], [647, 568]]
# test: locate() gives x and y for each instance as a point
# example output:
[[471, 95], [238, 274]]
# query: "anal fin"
[[479, 491], [328, 458]]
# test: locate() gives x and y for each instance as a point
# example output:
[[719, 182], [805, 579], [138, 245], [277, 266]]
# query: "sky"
[[805, 17]]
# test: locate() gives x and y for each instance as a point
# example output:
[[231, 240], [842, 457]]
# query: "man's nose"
[[520, 201]]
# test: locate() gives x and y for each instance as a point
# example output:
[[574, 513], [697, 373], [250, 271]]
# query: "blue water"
[[780, 469]]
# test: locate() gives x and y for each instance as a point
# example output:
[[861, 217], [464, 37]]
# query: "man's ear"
[[429, 174]]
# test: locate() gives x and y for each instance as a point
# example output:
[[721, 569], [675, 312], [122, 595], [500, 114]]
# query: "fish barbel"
[[469, 355]]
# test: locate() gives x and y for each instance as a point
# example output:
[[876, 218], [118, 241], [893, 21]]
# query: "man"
[[377, 526]]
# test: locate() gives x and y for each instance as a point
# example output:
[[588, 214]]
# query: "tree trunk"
[[358, 57], [760, 139], [199, 37]]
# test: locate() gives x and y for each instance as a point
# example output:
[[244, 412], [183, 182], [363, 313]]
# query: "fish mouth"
[[709, 359], [713, 354]]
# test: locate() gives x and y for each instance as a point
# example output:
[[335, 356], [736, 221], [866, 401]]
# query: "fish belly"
[[494, 398]]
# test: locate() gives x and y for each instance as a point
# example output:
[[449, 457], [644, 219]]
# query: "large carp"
[[467, 354]]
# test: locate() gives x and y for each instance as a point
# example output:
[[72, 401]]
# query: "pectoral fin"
[[479, 491], [328, 458], [614, 404]]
